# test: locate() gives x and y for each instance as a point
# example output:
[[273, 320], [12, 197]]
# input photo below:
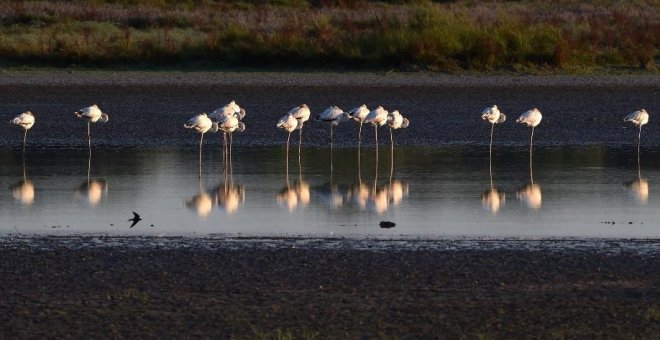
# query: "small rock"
[[387, 224]]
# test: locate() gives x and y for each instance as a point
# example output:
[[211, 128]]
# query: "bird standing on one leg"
[[202, 124], [359, 114], [333, 115], [493, 116], [289, 124], [377, 118], [92, 114], [395, 121], [531, 118], [639, 118], [26, 121], [301, 114]]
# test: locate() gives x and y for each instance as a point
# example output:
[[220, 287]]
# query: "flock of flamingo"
[[228, 119]]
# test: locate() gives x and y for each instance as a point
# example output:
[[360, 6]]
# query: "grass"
[[539, 36]]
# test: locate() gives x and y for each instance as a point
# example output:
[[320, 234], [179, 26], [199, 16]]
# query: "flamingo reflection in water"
[[92, 191], [292, 197], [298, 195], [23, 191], [201, 203], [530, 194]]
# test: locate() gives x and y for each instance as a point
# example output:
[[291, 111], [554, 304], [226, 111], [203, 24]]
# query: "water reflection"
[[297, 195], [530, 194], [23, 191], [91, 191], [639, 188], [229, 196], [492, 199], [585, 185]]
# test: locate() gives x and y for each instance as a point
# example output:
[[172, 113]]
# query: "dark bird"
[[387, 224], [136, 218]]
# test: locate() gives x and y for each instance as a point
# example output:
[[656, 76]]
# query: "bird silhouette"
[[136, 218]]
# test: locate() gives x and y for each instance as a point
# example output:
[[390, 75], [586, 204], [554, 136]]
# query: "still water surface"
[[428, 192]]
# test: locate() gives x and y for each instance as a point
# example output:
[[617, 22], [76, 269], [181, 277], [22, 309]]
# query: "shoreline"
[[312, 79]]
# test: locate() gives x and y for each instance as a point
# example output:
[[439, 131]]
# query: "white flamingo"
[[377, 118], [202, 124], [26, 121], [333, 115], [301, 114], [530, 118], [92, 114], [493, 116], [395, 121], [359, 114], [229, 125], [289, 124], [639, 118]]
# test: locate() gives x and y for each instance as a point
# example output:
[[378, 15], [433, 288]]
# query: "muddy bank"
[[111, 287], [149, 109]]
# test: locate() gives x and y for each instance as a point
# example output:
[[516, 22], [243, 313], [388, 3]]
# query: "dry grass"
[[464, 35]]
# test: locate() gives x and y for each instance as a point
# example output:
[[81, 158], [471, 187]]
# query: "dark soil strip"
[[346, 292]]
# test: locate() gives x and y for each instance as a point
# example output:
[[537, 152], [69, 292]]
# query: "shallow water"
[[429, 192]]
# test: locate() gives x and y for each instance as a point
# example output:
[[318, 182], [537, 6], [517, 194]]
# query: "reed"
[[568, 36]]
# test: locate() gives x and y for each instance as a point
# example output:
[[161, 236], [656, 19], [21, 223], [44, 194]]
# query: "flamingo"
[[639, 118], [359, 114], [395, 121], [493, 116], [301, 114], [228, 125], [289, 124], [333, 115], [377, 118], [26, 121], [202, 124], [92, 114], [530, 118]]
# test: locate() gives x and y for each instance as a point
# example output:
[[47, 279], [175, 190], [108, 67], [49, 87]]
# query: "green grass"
[[530, 36]]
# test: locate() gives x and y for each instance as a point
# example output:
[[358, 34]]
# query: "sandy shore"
[[232, 288]]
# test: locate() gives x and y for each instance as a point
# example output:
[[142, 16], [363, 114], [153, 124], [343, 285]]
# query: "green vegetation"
[[565, 36]]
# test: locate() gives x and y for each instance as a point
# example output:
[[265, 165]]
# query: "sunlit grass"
[[569, 36]]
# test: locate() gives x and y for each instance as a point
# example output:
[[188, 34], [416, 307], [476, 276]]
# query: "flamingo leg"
[[531, 141], [376, 131], [391, 155], [360, 135], [89, 137], [287, 159], [331, 160], [24, 141], [639, 140], [299, 143], [490, 155], [201, 139], [230, 158]]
